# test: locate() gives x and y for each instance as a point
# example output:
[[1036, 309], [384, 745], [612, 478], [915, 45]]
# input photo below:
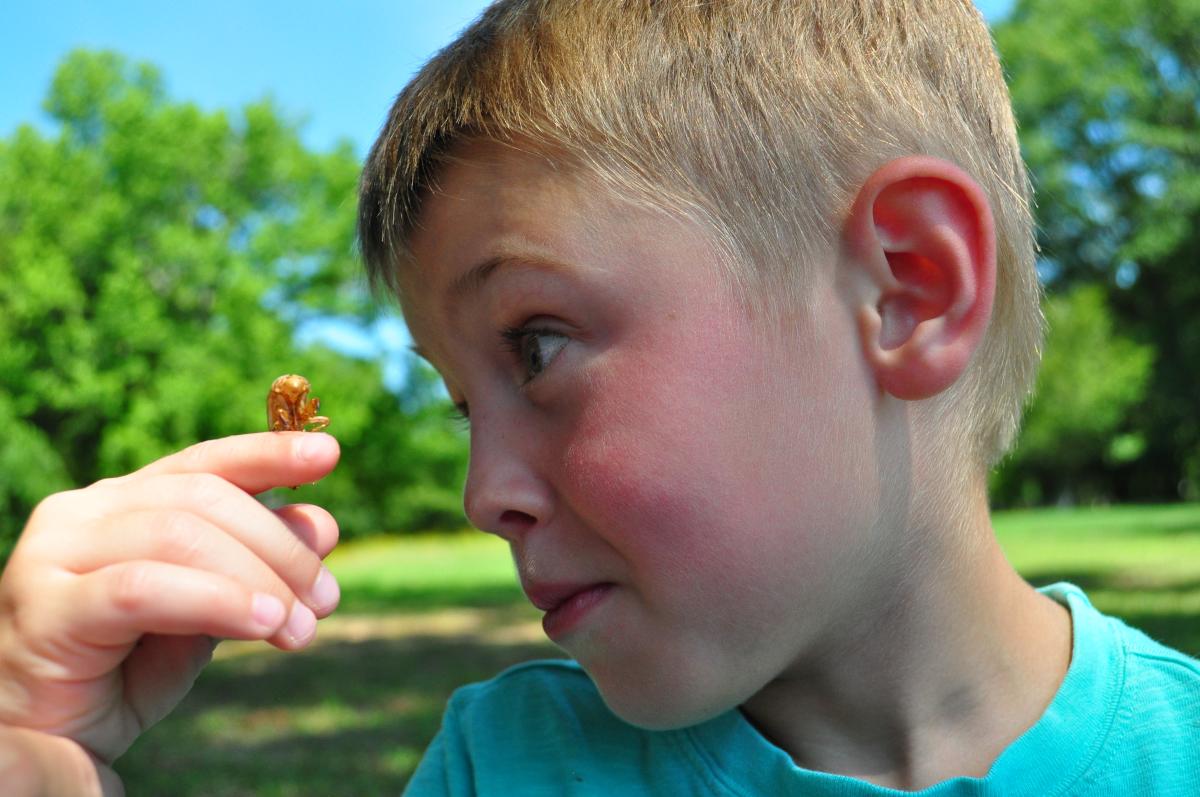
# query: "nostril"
[[512, 518], [512, 524]]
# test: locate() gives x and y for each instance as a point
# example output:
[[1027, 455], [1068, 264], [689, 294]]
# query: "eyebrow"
[[473, 279], [467, 283]]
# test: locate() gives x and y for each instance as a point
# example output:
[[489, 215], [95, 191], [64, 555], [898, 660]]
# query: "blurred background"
[[177, 200]]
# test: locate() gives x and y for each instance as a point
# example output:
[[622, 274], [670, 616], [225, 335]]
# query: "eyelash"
[[460, 413], [515, 338]]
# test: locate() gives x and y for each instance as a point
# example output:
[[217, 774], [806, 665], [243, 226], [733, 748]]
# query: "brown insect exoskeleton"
[[289, 409]]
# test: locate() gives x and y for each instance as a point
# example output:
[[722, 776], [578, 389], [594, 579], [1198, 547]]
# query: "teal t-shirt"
[[1126, 721]]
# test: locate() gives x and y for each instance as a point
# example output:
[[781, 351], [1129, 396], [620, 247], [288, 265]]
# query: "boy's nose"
[[504, 493]]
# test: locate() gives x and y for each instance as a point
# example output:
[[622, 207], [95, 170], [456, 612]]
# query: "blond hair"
[[759, 119]]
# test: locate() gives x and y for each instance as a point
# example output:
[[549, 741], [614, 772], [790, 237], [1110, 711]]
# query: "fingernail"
[[301, 624], [315, 446], [325, 593], [267, 610]]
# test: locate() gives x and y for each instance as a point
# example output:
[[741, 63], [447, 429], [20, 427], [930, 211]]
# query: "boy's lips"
[[548, 596], [566, 604]]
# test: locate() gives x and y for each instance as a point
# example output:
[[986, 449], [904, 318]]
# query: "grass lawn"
[[423, 615], [1141, 564]]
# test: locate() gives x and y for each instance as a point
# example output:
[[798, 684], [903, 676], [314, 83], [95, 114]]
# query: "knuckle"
[[21, 593], [132, 586], [47, 506], [53, 516], [181, 535], [54, 504], [108, 483], [22, 623], [205, 489], [199, 456], [299, 559]]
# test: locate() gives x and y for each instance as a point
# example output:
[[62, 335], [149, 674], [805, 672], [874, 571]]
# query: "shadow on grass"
[[355, 716], [1167, 610], [342, 718], [1173, 527]]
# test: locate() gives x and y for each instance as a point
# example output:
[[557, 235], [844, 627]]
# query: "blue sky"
[[339, 64]]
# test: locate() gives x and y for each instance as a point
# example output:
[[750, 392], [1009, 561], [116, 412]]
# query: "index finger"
[[258, 461]]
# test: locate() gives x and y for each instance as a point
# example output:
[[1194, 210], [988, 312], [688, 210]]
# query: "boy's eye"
[[534, 347], [460, 413]]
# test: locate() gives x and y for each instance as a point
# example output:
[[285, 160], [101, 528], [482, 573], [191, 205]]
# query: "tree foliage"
[[157, 259], [1090, 377], [1108, 96]]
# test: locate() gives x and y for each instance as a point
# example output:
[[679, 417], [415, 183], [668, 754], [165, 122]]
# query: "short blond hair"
[[759, 119]]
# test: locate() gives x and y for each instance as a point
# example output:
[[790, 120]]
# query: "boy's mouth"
[[565, 604]]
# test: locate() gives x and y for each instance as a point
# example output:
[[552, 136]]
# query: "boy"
[[739, 300]]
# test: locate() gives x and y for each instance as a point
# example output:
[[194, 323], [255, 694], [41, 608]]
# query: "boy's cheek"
[[655, 451], [633, 464]]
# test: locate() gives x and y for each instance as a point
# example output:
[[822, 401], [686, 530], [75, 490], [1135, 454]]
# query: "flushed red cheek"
[[662, 488], [647, 465], [627, 472]]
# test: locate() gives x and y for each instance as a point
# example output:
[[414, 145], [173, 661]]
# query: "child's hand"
[[114, 592], [34, 764]]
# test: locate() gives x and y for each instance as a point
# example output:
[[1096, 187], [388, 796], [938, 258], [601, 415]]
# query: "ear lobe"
[[921, 231]]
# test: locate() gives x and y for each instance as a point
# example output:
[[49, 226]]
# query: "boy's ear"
[[921, 242]]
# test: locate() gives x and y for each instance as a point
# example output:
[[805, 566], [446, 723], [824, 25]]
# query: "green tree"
[[157, 260], [1089, 380], [1108, 96]]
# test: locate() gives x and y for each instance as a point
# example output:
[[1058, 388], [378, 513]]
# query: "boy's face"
[[633, 426]]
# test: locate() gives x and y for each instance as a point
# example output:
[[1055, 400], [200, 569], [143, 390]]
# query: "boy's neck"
[[966, 657]]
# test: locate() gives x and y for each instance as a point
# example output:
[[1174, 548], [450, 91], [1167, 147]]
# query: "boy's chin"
[[661, 715], [661, 704]]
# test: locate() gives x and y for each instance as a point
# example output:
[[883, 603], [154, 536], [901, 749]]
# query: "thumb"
[[35, 764], [160, 672]]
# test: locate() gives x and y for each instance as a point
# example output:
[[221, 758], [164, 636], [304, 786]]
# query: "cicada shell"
[[289, 409]]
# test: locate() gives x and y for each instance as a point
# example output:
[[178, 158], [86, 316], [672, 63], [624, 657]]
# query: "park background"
[[177, 200]]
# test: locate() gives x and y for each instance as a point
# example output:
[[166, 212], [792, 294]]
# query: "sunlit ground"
[[421, 616]]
